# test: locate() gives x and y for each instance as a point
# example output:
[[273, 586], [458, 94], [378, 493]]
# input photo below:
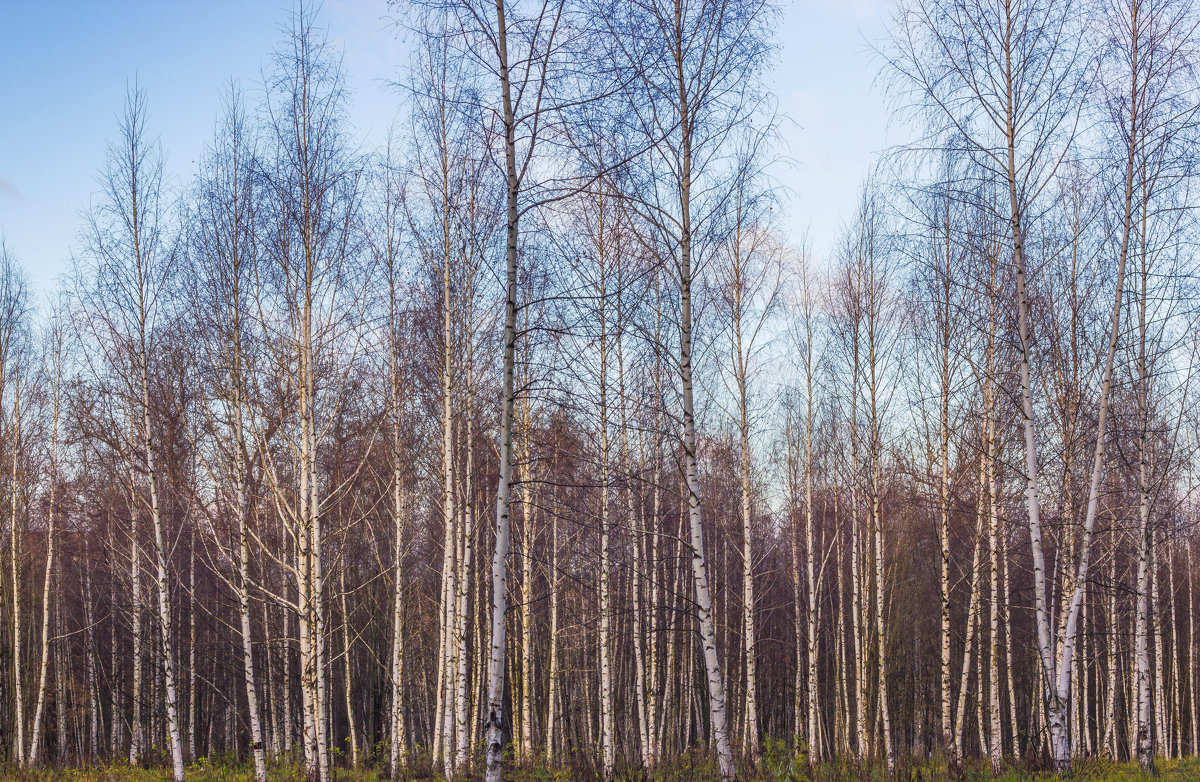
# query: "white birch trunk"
[[1175, 735], [348, 672], [161, 579], [529, 540], [447, 615], [1161, 735], [972, 622], [396, 736], [256, 739], [15, 582], [944, 490], [748, 630], [814, 729], [996, 743], [1110, 733], [48, 580], [608, 751], [462, 729], [553, 673], [495, 715], [708, 640], [1192, 651], [877, 525], [1144, 743], [135, 555], [90, 640], [192, 700], [639, 534]]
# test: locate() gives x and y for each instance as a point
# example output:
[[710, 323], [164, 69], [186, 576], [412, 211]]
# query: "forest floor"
[[204, 771]]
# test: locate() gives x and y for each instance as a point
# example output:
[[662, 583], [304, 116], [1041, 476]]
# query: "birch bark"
[[495, 699], [50, 574], [14, 546]]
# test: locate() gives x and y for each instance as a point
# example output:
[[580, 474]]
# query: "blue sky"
[[65, 66]]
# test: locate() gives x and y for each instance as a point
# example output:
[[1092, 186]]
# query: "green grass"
[[776, 767], [201, 771]]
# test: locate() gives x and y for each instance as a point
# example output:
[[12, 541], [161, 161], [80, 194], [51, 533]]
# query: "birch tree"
[[747, 281], [283, 404], [1150, 98], [128, 260], [54, 338], [692, 75], [225, 252], [518, 47], [309, 302], [1010, 84], [14, 369], [388, 246]]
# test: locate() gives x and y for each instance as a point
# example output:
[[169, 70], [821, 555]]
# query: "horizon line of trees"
[[529, 438]]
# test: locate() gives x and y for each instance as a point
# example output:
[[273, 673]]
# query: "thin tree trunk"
[[997, 742], [1159, 699], [90, 640], [1144, 728], [944, 490], [638, 523], [397, 737], [192, 702], [553, 673], [18, 684], [750, 715], [1176, 733], [856, 599], [528, 541], [1112, 657], [51, 539], [135, 728], [495, 716], [256, 739], [347, 671], [461, 728], [877, 524], [1008, 653], [708, 640], [972, 620], [162, 584], [1192, 650]]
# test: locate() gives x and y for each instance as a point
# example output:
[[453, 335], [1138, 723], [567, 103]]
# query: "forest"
[[528, 447]]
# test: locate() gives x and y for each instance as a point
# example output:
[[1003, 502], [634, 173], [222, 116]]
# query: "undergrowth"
[[778, 764]]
